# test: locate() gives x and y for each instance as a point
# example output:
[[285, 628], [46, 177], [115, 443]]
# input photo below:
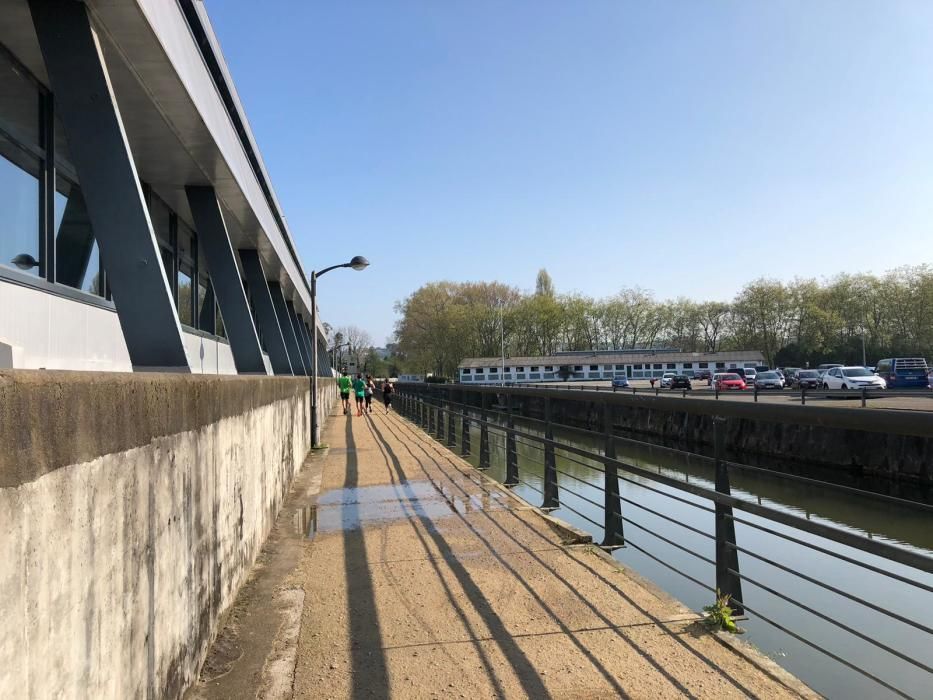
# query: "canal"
[[581, 487]]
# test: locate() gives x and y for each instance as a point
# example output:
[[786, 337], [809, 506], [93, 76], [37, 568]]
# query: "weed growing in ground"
[[719, 614]]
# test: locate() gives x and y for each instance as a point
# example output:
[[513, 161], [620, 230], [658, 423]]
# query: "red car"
[[727, 381]]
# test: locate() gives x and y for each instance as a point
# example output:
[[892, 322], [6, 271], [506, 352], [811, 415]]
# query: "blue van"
[[904, 372]]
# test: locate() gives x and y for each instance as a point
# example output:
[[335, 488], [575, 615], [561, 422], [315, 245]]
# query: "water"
[[910, 528]]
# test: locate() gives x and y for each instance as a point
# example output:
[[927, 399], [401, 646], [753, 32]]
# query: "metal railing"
[[433, 409], [702, 390]]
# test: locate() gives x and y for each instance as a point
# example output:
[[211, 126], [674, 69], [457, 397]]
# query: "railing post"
[[551, 495], [612, 511], [451, 424], [756, 392], [511, 454], [863, 397], [464, 430], [439, 420], [484, 434], [727, 558], [803, 396]]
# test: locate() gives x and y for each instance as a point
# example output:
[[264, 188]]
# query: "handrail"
[[433, 408]]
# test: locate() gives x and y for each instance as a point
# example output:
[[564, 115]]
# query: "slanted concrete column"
[[225, 279], [265, 311], [302, 339], [101, 155], [288, 328]]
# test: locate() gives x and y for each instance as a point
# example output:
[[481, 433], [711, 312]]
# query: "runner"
[[370, 388], [359, 387], [345, 384], [387, 391]]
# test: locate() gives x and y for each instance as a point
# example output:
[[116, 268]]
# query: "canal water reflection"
[[580, 482]]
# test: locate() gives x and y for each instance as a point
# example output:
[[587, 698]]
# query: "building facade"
[[138, 225], [576, 366]]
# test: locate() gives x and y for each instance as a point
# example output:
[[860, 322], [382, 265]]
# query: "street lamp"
[[358, 262]]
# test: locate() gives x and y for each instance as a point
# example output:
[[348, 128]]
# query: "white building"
[[138, 226], [608, 364]]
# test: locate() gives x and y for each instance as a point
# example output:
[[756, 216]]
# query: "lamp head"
[[24, 261], [359, 263]]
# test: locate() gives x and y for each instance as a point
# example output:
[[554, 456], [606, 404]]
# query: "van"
[[903, 372]]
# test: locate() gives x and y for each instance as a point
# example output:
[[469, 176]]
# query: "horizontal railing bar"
[[833, 589], [851, 630], [838, 487], [877, 547], [629, 543], [582, 481], [878, 420], [665, 517], [837, 555], [817, 647], [670, 542]]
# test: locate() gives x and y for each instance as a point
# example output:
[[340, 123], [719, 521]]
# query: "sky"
[[683, 147]]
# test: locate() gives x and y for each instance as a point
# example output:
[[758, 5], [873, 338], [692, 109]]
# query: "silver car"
[[769, 380]]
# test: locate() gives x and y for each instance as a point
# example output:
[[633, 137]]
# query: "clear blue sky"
[[614, 143]]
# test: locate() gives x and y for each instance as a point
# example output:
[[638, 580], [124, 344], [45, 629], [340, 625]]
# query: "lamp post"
[[358, 262]]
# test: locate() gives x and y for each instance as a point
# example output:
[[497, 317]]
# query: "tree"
[[544, 286]]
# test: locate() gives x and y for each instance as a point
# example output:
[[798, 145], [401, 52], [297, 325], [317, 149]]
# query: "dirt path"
[[425, 579]]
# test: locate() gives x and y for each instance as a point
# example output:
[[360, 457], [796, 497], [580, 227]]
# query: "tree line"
[[791, 323]]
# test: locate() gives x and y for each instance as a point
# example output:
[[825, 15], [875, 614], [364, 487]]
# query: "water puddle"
[[305, 521], [352, 508]]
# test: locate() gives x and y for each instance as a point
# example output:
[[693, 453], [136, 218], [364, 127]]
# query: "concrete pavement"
[[412, 575]]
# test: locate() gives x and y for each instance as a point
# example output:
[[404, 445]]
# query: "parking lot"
[[914, 400]]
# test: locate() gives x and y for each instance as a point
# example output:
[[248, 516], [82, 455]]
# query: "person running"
[[345, 384], [359, 388], [370, 388], [387, 391]]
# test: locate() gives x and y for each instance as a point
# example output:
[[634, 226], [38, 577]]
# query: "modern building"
[[602, 364], [138, 226]]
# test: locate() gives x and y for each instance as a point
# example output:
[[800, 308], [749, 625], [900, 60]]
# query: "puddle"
[[305, 521], [352, 508]]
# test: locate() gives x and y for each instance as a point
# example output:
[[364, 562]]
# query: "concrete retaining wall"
[[131, 509]]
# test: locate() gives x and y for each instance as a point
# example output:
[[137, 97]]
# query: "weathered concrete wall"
[[131, 509]]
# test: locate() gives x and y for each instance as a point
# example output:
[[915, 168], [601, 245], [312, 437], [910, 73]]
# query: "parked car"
[[728, 381], [829, 365], [904, 372], [681, 381], [751, 375], [620, 383], [666, 379], [770, 380], [703, 374], [762, 368], [807, 379], [789, 372], [852, 378]]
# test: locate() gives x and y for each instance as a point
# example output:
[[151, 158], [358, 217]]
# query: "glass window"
[[465, 370], [19, 208], [637, 367], [493, 369], [548, 368], [593, 368], [478, 370], [704, 365], [77, 258], [534, 369], [657, 366], [219, 328], [185, 303], [578, 368], [720, 365], [671, 365], [518, 369], [19, 103]]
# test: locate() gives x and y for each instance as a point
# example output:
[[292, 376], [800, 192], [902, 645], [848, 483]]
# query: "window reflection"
[[77, 258], [185, 301], [19, 204]]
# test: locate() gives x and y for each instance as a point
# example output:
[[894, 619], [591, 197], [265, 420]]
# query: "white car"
[[666, 379], [852, 378]]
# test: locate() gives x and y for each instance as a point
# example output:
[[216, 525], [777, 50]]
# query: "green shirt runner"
[[359, 386], [344, 383]]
